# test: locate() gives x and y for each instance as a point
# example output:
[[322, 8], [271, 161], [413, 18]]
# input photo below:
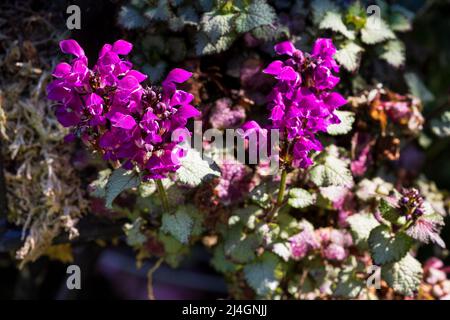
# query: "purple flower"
[[426, 229], [112, 112], [224, 116], [302, 243], [362, 145], [301, 102], [234, 181], [334, 243]]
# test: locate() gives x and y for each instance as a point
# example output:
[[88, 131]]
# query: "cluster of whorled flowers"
[[112, 112], [302, 102]]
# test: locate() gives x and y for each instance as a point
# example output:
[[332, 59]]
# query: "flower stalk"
[[162, 195], [282, 188]]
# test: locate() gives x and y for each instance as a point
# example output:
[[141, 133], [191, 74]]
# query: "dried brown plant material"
[[44, 192]]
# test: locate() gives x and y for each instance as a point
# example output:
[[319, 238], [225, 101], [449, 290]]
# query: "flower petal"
[[123, 121], [187, 111], [274, 67], [177, 75], [122, 47], [61, 70], [287, 74], [71, 47], [286, 47], [181, 97]]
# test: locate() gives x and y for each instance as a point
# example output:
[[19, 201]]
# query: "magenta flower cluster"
[[331, 244], [302, 102], [112, 112]]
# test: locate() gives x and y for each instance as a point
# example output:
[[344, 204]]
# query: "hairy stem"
[[282, 188], [162, 195]]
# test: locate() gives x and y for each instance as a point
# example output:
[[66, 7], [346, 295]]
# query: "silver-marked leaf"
[[282, 249], [238, 246], [133, 232], [347, 118], [361, 224], [348, 285], [394, 53], [204, 46], [178, 224], [403, 276], [349, 56], [119, 181], [261, 275], [97, 187], [333, 21], [386, 247], [376, 30], [216, 25], [331, 171], [259, 14], [194, 169], [300, 198]]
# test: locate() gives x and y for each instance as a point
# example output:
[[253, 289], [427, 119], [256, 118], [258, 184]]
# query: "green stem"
[[282, 188], [163, 195]]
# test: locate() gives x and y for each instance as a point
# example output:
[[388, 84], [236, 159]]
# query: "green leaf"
[[361, 224], [179, 225], [194, 169], [333, 21], [386, 247], [403, 276], [399, 22], [282, 249], [259, 14], [330, 171], [387, 211], [134, 234], [119, 181], [348, 285], [320, 8], [216, 25], [197, 218], [131, 18], [174, 249], [269, 33], [347, 118], [394, 53], [247, 216], [300, 198], [262, 194], [204, 46], [441, 126], [400, 19], [349, 56], [97, 187], [220, 262], [418, 88], [376, 30], [238, 246], [159, 13], [188, 15], [261, 275]]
